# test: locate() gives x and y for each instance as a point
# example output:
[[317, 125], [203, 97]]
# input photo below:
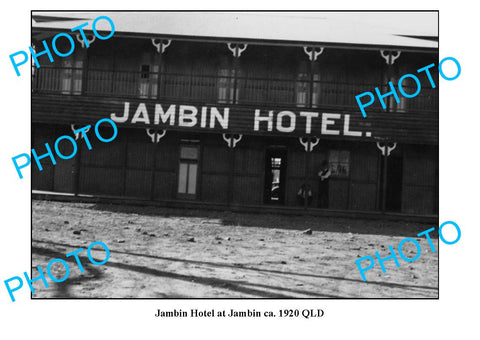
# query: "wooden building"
[[238, 117]]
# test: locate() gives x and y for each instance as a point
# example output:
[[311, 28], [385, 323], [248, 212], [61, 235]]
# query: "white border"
[[449, 317]]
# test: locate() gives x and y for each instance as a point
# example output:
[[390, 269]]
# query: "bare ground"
[[173, 253]]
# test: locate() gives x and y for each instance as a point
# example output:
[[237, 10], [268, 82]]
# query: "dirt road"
[[168, 253]]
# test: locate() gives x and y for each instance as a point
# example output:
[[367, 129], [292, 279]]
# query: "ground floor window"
[[188, 171], [339, 163]]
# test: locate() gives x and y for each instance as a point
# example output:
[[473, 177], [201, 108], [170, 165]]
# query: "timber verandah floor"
[[268, 209]]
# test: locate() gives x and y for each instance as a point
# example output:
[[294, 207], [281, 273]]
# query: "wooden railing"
[[219, 89]]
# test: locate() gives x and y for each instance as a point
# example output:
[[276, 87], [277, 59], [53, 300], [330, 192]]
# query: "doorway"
[[393, 194], [275, 175]]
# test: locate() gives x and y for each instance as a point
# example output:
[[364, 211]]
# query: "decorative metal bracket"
[[155, 136], [237, 49], [313, 52], [386, 148], [309, 144], [78, 134], [162, 44], [83, 42], [231, 140], [389, 56]]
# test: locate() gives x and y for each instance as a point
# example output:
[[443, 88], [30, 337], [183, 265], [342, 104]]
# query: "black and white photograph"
[[239, 170], [222, 155]]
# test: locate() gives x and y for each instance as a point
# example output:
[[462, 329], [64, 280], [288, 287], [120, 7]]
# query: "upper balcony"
[[152, 61], [225, 87]]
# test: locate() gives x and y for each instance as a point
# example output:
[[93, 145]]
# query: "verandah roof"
[[402, 30]]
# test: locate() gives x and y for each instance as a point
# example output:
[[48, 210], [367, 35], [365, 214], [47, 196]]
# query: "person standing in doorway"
[[324, 175]]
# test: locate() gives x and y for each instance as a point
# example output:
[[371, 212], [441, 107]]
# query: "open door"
[[275, 175], [393, 192]]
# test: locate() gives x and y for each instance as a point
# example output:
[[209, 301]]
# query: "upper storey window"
[[71, 76], [307, 86], [66, 77], [225, 81]]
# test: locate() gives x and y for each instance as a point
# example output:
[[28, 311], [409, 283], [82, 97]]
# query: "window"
[[225, 85], [225, 81], [145, 71], [71, 76], [339, 163], [188, 170], [303, 84], [148, 84], [316, 90], [408, 85]]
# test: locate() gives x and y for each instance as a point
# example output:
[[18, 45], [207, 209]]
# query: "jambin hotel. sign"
[[256, 120]]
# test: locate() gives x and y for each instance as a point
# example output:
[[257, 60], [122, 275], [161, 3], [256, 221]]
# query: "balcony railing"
[[219, 89]]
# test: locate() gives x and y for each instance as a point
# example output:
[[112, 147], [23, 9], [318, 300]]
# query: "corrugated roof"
[[396, 29]]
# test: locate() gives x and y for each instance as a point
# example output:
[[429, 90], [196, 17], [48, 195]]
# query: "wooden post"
[[125, 164], [154, 168], [155, 146], [36, 78], [114, 67], [85, 73], [385, 161], [231, 176], [76, 180], [55, 133], [312, 65], [159, 76], [388, 75], [235, 74], [379, 184], [309, 139], [307, 173]]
